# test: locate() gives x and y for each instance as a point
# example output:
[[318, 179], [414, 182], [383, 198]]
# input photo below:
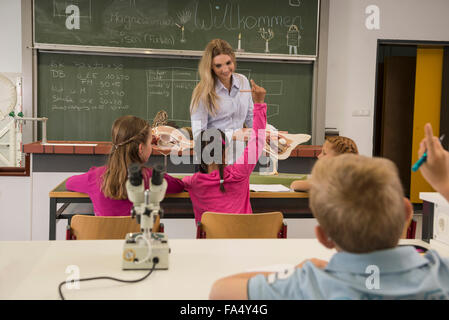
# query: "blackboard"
[[180, 24], [83, 94]]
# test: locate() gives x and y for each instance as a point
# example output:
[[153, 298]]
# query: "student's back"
[[398, 273], [226, 189], [205, 194], [90, 183], [361, 211], [131, 143]]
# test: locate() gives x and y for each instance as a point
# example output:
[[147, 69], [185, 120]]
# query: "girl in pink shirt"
[[225, 188], [131, 143]]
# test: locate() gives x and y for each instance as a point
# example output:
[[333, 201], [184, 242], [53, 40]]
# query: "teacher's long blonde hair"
[[205, 89]]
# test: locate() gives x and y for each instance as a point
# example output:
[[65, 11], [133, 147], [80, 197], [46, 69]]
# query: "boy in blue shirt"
[[361, 210]]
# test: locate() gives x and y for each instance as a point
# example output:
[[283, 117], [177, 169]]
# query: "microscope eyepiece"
[[135, 174], [158, 175]]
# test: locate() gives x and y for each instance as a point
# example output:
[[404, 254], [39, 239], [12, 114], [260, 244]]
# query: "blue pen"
[[423, 158]]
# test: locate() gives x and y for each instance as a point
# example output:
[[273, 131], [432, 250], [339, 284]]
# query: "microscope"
[[144, 249]]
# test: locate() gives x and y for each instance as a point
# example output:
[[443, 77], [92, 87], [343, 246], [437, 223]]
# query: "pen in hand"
[[423, 158]]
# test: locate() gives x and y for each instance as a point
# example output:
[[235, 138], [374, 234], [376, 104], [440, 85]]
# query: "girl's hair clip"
[[223, 142], [221, 180]]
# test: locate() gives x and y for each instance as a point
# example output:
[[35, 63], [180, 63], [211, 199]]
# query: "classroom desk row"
[[34, 269], [179, 206]]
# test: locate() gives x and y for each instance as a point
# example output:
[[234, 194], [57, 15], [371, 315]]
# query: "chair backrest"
[[228, 225], [85, 227]]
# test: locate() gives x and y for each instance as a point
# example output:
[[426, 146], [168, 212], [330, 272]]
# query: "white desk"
[[33, 269]]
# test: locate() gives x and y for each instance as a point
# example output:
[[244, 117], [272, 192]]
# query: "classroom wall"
[[351, 75], [351, 67], [15, 192], [15, 208], [10, 36]]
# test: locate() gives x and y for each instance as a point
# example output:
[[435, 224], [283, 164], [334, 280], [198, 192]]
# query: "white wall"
[[42, 184], [10, 36], [15, 192], [15, 208], [352, 55]]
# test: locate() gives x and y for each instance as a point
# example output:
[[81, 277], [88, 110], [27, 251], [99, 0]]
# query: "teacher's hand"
[[257, 92]]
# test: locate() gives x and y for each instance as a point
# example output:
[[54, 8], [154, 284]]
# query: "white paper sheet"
[[269, 187]]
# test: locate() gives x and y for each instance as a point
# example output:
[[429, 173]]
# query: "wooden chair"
[[84, 227], [215, 225]]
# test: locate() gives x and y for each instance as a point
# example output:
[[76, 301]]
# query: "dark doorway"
[[393, 115]]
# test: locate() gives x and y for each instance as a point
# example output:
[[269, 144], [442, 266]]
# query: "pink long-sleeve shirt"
[[90, 183], [204, 188]]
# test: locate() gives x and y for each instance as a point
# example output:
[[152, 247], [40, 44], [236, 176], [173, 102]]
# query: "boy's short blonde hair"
[[358, 201]]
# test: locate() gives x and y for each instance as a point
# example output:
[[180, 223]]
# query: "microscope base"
[[133, 252]]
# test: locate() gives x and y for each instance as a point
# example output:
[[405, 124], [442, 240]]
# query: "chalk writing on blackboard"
[[107, 80], [168, 87], [273, 110]]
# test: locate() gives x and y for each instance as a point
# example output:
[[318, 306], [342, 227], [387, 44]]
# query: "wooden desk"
[[179, 206]]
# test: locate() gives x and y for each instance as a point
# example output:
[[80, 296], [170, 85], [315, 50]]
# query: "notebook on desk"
[[269, 188]]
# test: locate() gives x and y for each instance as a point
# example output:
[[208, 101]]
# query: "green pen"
[[423, 158]]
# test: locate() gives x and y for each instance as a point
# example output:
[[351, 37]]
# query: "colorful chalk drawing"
[[183, 17], [294, 3], [267, 36], [293, 39]]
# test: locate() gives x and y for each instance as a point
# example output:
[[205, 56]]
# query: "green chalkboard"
[[180, 24], [83, 94]]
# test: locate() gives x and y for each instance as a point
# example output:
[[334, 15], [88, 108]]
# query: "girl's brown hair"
[[205, 89], [342, 145], [128, 132]]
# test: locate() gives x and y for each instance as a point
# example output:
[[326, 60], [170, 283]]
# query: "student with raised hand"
[[222, 98], [332, 147], [220, 187], [436, 167], [361, 211], [131, 143]]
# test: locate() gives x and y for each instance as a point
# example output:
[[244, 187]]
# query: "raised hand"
[[257, 92], [436, 168]]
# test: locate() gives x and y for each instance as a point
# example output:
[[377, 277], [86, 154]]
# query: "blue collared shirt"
[[235, 108], [398, 273]]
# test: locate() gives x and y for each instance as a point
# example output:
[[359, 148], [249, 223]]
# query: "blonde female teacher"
[[222, 99]]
